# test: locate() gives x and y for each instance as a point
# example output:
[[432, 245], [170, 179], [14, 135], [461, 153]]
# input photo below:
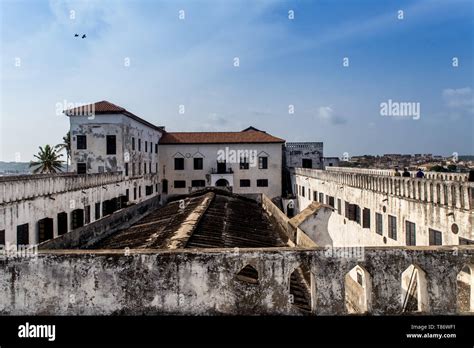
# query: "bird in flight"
[[76, 35], [84, 36]]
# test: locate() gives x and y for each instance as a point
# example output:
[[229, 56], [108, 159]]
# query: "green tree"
[[452, 168], [66, 145], [48, 161]]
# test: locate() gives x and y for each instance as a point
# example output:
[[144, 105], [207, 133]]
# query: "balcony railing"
[[222, 171]]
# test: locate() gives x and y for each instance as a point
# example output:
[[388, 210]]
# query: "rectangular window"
[[62, 223], [149, 167], [331, 201], [435, 237], [22, 235], [126, 169], [378, 224], [410, 230], [464, 241], [97, 211], [302, 190], [198, 163], [111, 145], [156, 148], [133, 143], [347, 207], [81, 168], [179, 184], [244, 163], [146, 146], [139, 144], [2, 237], [139, 168], [244, 183], [139, 191], [357, 214], [81, 142], [144, 168], [321, 197], [354, 213], [134, 193], [179, 164], [198, 183], [392, 227], [262, 183], [366, 218], [133, 169], [315, 196], [87, 214], [339, 206], [307, 163], [263, 163], [149, 190]]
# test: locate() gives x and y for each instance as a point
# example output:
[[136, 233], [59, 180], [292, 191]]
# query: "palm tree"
[[66, 145], [48, 161]]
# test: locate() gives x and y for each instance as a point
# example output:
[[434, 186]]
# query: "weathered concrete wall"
[[90, 234], [124, 128], [204, 282], [279, 218], [428, 203], [296, 152], [28, 199]]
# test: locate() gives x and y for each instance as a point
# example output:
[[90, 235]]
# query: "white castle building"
[[121, 161]]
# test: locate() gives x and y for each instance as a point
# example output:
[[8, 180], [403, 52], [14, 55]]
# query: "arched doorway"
[[222, 183]]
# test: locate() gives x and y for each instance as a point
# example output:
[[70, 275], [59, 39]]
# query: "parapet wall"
[[390, 172], [204, 282], [454, 194], [17, 188]]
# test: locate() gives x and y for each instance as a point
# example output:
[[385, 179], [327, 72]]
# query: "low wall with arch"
[[197, 282]]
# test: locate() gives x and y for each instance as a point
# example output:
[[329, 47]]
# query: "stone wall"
[[204, 282], [90, 234], [443, 206]]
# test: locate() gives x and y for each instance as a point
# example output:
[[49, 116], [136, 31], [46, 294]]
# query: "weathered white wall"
[[191, 282], [124, 128], [373, 192], [36, 197], [209, 153]]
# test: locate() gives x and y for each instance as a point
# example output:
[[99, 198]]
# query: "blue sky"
[[283, 62]]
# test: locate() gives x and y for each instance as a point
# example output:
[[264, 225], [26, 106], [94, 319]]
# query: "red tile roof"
[[249, 135], [103, 108]]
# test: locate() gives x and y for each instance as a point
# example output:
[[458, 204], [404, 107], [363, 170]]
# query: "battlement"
[[17, 188], [390, 172], [454, 193]]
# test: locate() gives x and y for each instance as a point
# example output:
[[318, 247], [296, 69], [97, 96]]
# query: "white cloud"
[[460, 100], [327, 114]]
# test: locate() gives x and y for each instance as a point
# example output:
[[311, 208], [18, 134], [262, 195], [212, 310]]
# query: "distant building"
[[304, 155], [330, 162], [247, 162]]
